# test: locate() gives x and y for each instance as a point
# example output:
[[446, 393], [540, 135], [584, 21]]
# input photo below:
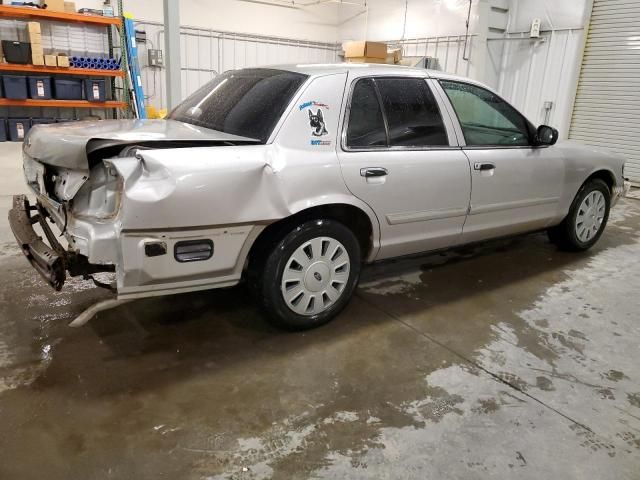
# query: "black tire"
[[565, 235], [265, 276]]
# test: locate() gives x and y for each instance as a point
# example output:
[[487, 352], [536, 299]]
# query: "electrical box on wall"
[[535, 28], [155, 58], [141, 36]]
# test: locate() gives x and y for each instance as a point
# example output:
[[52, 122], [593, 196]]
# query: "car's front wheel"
[[308, 276], [586, 220]]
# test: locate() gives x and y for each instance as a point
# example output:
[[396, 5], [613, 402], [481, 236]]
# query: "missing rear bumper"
[[51, 261]]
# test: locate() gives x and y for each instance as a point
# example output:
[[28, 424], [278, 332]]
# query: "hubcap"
[[315, 276], [590, 216]]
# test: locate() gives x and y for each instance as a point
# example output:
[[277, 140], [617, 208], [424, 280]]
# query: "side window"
[[366, 124], [485, 118], [412, 113]]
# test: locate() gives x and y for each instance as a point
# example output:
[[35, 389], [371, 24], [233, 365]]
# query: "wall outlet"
[[535, 28]]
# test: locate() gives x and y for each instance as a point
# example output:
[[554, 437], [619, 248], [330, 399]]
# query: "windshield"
[[246, 102]]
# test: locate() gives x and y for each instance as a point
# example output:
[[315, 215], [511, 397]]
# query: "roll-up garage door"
[[607, 107]]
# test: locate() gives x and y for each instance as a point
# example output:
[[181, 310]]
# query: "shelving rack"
[[39, 14]]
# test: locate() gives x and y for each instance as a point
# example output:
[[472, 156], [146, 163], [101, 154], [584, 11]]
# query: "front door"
[[516, 187], [399, 155]]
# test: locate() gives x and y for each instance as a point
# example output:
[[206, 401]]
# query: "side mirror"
[[546, 135]]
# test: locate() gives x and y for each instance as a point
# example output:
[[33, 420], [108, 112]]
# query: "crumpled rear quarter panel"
[[228, 194]]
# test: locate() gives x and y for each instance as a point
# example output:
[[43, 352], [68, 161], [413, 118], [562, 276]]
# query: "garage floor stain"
[[508, 359]]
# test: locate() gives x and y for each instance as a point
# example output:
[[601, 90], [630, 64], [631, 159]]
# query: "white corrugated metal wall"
[[452, 53], [208, 52], [607, 104], [537, 71]]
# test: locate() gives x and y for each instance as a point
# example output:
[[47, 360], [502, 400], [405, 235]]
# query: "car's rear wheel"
[[308, 276], [586, 220]]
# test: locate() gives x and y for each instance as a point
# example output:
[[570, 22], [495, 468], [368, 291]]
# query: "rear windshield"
[[247, 102]]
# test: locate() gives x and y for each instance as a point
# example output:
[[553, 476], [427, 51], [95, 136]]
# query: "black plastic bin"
[[40, 88], [16, 52], [3, 129], [18, 128], [94, 89], [67, 89], [15, 87], [42, 121]]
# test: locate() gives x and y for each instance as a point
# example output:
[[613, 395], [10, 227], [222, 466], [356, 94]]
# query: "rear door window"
[[412, 113], [366, 124]]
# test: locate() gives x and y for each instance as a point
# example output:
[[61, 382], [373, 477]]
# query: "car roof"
[[367, 70]]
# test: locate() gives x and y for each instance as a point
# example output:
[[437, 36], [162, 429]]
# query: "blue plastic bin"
[[15, 87], [40, 88], [3, 129], [18, 128], [67, 89], [94, 89]]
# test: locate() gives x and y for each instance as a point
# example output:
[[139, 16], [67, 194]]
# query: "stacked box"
[[63, 60], [55, 5], [365, 52], [35, 39]]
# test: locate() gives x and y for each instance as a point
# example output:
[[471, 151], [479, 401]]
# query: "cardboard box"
[[55, 5], [70, 7], [365, 60], [395, 56], [36, 49], [63, 61], [37, 59], [35, 38], [51, 60], [365, 49], [33, 27]]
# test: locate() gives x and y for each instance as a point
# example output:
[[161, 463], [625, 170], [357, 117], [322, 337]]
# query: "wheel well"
[[604, 175], [352, 217]]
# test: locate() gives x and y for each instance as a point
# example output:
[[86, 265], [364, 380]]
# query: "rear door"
[[399, 155], [516, 187]]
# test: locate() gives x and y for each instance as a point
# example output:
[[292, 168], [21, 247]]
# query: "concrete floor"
[[510, 360]]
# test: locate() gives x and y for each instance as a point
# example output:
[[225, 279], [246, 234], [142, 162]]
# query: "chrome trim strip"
[[423, 216], [495, 207]]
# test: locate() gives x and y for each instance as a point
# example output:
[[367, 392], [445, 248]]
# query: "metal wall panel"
[[533, 72], [205, 53], [607, 106], [452, 53]]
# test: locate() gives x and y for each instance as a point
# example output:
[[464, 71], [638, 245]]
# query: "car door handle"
[[373, 172], [484, 166]]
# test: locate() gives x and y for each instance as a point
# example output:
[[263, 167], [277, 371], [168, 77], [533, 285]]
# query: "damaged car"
[[293, 177]]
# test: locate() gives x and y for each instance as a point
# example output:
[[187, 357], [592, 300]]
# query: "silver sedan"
[[292, 177]]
